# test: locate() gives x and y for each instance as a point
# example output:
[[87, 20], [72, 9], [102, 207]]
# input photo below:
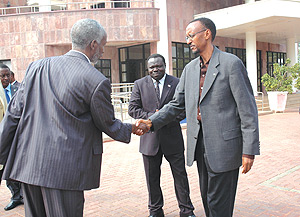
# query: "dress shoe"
[[157, 215], [13, 204]]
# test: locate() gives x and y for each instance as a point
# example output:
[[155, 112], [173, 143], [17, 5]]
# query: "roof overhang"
[[274, 21]]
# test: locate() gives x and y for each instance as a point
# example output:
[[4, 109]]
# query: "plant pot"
[[277, 100]]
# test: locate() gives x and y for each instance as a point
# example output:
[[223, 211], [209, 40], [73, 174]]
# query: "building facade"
[[36, 29]]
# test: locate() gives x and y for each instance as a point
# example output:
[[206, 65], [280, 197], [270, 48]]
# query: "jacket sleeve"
[[171, 110], [135, 108], [9, 124], [243, 95], [103, 114]]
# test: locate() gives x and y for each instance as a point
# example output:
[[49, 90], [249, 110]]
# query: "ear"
[[93, 44], [207, 34]]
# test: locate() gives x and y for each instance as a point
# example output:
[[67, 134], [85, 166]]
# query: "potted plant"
[[281, 83]]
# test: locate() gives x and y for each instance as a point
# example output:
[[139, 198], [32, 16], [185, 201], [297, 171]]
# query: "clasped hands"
[[141, 127]]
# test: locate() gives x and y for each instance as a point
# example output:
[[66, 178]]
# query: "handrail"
[[260, 100], [77, 6], [120, 95]]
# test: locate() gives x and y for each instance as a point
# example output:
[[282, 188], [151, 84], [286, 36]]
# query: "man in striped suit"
[[51, 135]]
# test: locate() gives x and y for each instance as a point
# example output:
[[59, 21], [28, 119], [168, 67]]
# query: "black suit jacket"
[[143, 103]]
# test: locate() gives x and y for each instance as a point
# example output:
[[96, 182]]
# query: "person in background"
[[9, 91], [13, 81], [150, 94], [3, 102]]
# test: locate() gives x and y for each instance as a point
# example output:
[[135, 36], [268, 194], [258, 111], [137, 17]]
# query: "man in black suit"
[[149, 95], [13, 81], [10, 90]]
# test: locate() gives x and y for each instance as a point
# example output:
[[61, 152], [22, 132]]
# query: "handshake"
[[141, 127]]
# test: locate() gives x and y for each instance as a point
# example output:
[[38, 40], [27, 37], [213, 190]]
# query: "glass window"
[[104, 66], [274, 57], [120, 4], [135, 52], [133, 62], [173, 49], [181, 55]]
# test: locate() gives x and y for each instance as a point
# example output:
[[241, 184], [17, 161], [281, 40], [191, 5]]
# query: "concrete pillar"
[[291, 50], [251, 59], [45, 5], [163, 43]]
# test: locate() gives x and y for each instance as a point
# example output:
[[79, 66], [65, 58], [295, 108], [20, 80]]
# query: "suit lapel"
[[211, 73], [195, 79], [166, 89], [13, 90]]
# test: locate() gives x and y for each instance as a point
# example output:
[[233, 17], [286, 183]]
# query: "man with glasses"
[[222, 118], [10, 90]]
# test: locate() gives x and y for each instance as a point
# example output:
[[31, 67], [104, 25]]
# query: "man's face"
[[196, 37], [5, 77], [12, 78], [99, 50], [156, 68]]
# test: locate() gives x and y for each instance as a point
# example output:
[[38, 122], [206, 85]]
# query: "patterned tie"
[[157, 91], [7, 96]]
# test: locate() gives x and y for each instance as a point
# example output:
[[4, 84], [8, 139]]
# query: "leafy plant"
[[283, 76]]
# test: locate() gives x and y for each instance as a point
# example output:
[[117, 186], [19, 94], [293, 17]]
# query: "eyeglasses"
[[191, 36]]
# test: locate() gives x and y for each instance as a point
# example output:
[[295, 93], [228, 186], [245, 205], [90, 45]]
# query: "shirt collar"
[[8, 87], [82, 54], [161, 81]]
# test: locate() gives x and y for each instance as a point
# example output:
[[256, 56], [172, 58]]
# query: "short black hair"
[[12, 73], [156, 55], [3, 66], [209, 24]]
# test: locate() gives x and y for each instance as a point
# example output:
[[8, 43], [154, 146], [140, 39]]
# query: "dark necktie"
[[157, 90], [7, 96]]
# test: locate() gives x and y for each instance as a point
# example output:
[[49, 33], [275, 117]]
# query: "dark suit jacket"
[[51, 134], [228, 111], [14, 89], [143, 103]]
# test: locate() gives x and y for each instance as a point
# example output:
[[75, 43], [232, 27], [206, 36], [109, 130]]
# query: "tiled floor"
[[271, 188]]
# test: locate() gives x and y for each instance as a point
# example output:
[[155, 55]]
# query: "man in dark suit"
[[10, 90], [150, 94], [51, 134], [222, 118], [13, 81]]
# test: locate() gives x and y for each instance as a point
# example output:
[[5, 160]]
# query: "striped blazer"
[[51, 135]]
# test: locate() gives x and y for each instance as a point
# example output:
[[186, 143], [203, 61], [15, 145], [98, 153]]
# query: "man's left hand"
[[247, 162]]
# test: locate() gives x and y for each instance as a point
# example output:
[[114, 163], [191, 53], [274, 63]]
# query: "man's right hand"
[[147, 122], [140, 129]]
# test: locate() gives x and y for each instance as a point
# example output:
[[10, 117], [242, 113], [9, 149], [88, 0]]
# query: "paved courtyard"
[[271, 188]]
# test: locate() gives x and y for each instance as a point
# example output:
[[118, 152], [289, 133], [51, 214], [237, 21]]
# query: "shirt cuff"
[[249, 156]]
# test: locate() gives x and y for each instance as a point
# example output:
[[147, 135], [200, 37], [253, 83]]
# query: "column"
[[291, 50], [45, 5], [163, 43], [251, 59]]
